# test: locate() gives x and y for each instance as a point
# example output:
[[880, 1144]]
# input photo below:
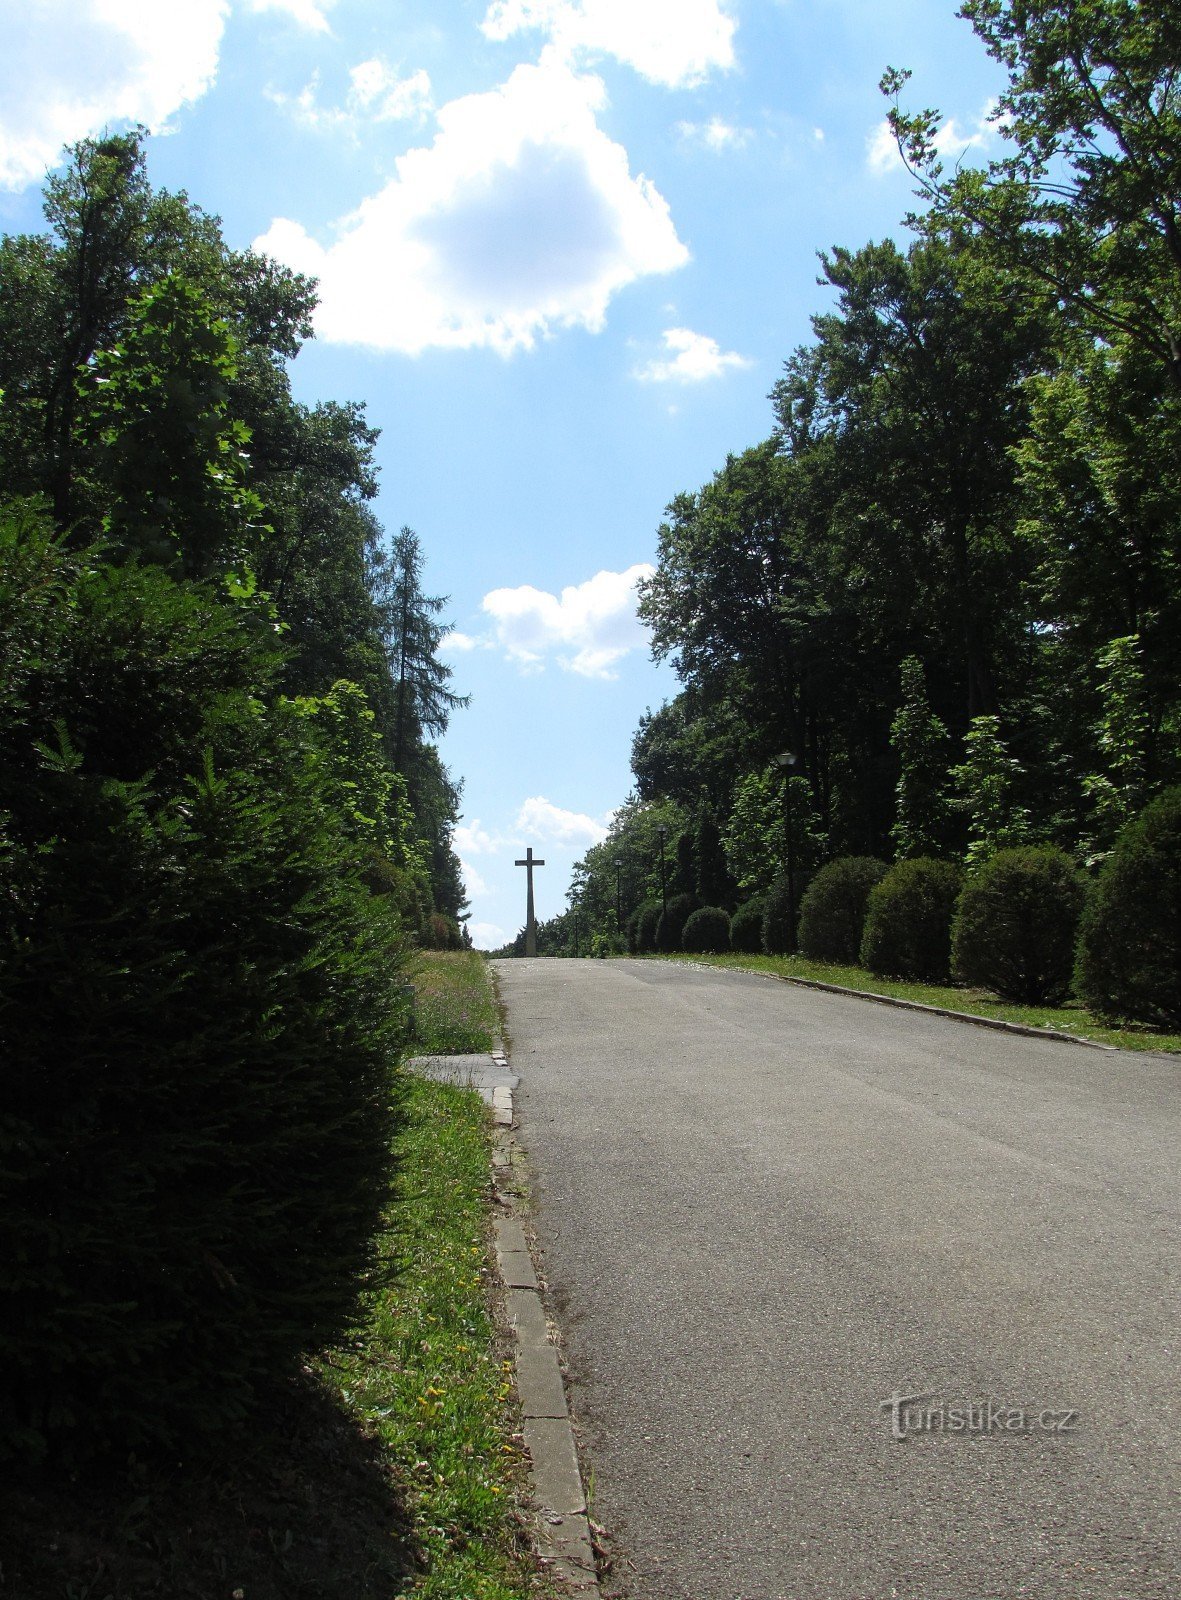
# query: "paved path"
[[764, 1211]]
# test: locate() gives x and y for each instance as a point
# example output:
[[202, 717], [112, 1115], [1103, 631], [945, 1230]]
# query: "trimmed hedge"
[[707, 932], [1015, 925], [641, 927], [779, 933], [672, 922], [908, 920], [832, 913], [200, 1010], [746, 926], [1129, 962]]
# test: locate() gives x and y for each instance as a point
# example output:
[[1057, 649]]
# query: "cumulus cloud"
[[376, 94], [715, 135], [310, 14], [952, 142], [671, 42], [487, 935], [69, 68], [588, 628], [690, 358], [473, 839], [539, 818], [521, 218]]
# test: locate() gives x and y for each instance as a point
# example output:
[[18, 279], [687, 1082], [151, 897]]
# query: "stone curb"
[[564, 1540], [997, 1023]]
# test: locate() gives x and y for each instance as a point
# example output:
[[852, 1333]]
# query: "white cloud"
[[521, 218], [376, 94], [539, 818], [308, 14], [487, 935], [951, 142], [588, 628], [692, 358], [715, 134], [69, 68], [463, 642], [473, 839], [671, 42]]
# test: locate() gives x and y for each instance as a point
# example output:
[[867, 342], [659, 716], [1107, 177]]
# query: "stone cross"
[[530, 920]]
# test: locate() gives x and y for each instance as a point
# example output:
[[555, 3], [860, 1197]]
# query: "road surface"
[[767, 1213]]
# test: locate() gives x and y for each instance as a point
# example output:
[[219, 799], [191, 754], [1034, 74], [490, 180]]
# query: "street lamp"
[[786, 760], [662, 835], [618, 895]]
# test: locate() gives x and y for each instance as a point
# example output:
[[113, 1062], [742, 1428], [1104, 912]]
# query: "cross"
[[530, 920]]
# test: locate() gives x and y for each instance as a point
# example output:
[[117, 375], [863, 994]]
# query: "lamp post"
[[662, 835], [786, 760], [618, 895]]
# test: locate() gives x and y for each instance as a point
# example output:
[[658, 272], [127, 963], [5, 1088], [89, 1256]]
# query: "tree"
[[1085, 204], [985, 783], [920, 742], [423, 700]]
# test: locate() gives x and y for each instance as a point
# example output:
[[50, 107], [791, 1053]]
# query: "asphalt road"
[[764, 1211]]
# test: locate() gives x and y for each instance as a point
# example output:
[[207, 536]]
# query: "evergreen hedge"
[[641, 927], [832, 913], [1129, 962], [200, 1006], [746, 926], [1015, 925], [672, 922], [707, 931], [908, 920], [780, 933]]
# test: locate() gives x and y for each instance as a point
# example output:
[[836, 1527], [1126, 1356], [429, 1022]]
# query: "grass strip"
[[1070, 1018], [425, 1374], [454, 1007]]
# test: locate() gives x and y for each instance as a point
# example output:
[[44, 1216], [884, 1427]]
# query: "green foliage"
[[985, 783], [1117, 794], [671, 924], [707, 931], [454, 1007], [920, 742], [1015, 925], [645, 921], [199, 1011], [781, 913], [832, 912], [746, 925], [755, 839], [908, 920], [1130, 944]]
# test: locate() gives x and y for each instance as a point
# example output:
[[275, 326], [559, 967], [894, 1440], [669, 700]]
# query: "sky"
[[564, 248]]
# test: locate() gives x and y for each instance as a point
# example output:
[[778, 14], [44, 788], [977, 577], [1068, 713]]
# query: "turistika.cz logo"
[[923, 1414]]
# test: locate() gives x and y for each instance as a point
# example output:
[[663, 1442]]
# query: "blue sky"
[[564, 248]]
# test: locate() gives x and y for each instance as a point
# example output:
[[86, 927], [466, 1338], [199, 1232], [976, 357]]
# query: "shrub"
[[200, 1006], [1130, 946], [641, 927], [608, 944], [908, 920], [707, 932], [779, 929], [672, 922], [441, 933], [1015, 925], [746, 926], [832, 913]]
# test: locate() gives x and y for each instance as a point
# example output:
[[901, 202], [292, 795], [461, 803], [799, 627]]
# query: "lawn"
[[1070, 1018]]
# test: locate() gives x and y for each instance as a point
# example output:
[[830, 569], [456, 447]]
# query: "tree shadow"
[[298, 1503]]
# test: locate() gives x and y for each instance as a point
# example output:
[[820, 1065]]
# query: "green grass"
[[454, 1007], [387, 1467], [1070, 1018]]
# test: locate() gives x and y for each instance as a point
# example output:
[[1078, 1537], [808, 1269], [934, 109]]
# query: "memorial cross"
[[530, 920]]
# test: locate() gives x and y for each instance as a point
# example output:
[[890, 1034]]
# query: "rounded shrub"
[[647, 922], [780, 930], [908, 920], [672, 922], [1129, 962], [832, 913], [746, 926], [707, 931], [1015, 925]]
